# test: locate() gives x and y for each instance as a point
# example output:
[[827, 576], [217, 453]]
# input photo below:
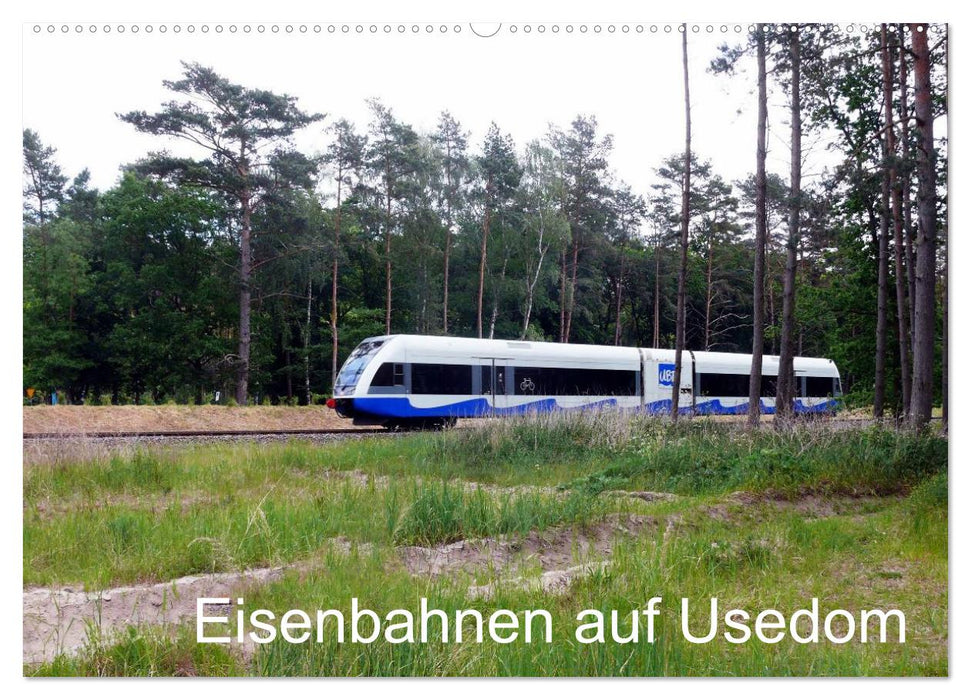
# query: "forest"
[[252, 271]]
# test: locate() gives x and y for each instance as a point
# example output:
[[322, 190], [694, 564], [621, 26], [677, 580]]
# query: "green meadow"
[[629, 508]]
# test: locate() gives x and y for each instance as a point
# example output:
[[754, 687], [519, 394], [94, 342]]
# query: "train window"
[[389, 374], [768, 388], [711, 384], [574, 381], [441, 379], [819, 386], [486, 378], [356, 362]]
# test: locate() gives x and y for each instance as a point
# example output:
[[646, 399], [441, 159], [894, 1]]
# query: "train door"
[[688, 394], [646, 390], [494, 373]]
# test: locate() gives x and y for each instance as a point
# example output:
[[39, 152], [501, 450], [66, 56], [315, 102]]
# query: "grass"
[[879, 539], [442, 513], [593, 451], [147, 652], [780, 561], [125, 543]]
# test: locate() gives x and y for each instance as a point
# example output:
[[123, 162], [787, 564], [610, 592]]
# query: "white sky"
[[75, 83]]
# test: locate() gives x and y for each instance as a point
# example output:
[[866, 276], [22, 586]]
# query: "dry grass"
[[81, 420]]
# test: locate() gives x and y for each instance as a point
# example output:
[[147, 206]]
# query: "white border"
[[438, 10]]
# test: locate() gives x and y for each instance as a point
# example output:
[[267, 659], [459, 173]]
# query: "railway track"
[[332, 433], [203, 434]]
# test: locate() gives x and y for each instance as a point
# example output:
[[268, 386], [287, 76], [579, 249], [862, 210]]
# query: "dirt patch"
[[71, 449], [363, 478], [556, 582], [648, 496], [49, 508], [810, 503], [81, 420], [63, 620], [556, 549]]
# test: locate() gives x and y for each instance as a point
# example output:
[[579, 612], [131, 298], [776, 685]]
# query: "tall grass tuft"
[[445, 512]]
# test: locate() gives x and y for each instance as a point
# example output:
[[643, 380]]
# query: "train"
[[417, 381]]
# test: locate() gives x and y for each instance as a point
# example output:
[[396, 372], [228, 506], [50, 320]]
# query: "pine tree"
[[246, 133]]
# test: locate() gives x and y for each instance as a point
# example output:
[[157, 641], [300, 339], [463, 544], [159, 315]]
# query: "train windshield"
[[351, 372]]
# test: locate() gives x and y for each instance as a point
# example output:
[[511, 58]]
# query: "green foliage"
[[696, 457], [135, 290], [875, 461], [932, 493]]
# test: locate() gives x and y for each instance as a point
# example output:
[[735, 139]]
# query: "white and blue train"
[[402, 381]]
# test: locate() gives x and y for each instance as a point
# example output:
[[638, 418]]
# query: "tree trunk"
[[786, 381], [573, 290], [288, 360], [903, 307], [880, 359], [448, 246], [758, 276], [387, 257], [770, 321], [708, 292], [448, 236], [333, 287], [685, 218], [482, 263], [905, 181], [245, 277], [944, 352], [495, 297], [922, 395], [423, 293], [306, 341], [620, 290], [531, 284], [562, 295], [657, 290]]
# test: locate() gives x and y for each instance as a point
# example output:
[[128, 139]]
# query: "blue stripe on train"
[[401, 407], [715, 407]]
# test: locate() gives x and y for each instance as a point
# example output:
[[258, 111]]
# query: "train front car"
[[407, 381]]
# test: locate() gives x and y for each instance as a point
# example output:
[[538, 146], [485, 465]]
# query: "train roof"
[[734, 360], [498, 349]]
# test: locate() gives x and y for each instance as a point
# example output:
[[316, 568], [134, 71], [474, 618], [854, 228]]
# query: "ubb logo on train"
[[665, 375]]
